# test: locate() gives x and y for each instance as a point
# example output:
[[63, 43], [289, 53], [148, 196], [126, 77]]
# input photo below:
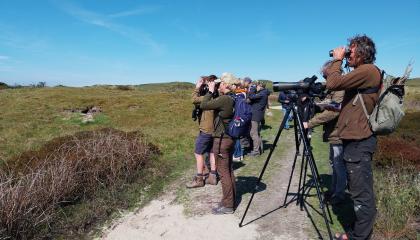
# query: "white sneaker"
[[237, 159]]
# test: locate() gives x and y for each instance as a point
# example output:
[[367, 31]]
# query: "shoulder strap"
[[368, 91]]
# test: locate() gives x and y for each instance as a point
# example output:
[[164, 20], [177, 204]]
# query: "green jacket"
[[329, 120], [223, 112]]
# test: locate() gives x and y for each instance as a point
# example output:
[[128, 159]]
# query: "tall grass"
[[397, 198]]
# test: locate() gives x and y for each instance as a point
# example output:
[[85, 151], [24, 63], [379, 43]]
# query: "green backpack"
[[388, 111]]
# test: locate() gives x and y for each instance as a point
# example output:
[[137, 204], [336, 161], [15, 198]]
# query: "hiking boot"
[[198, 181], [220, 210], [211, 179]]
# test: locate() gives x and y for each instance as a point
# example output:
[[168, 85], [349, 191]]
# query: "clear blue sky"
[[79, 43]]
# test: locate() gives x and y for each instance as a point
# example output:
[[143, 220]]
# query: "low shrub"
[[36, 184], [397, 152], [124, 87]]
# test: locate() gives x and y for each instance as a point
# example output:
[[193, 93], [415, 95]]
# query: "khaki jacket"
[[206, 124], [352, 121], [329, 120]]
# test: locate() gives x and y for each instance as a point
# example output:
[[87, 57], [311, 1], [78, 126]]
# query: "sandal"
[[340, 236]]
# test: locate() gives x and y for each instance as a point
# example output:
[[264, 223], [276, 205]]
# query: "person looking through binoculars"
[[258, 96], [204, 140], [359, 142], [222, 142]]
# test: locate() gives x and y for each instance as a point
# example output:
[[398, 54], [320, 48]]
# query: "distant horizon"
[[146, 83], [82, 43]]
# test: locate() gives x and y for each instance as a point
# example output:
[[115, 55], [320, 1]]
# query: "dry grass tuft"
[[35, 184]]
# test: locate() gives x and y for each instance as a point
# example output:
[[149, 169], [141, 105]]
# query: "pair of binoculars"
[[346, 54]]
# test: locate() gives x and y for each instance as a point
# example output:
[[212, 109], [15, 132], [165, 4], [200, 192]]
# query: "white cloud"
[[133, 12], [105, 21]]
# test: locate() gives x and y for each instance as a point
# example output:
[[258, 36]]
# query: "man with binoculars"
[[359, 142]]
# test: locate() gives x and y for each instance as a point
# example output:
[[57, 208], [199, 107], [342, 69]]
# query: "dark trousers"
[[223, 152], [358, 160]]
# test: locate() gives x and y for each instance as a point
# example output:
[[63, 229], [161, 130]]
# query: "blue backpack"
[[240, 125]]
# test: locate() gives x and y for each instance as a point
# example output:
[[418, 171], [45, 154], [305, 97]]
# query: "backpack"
[[388, 111], [240, 125]]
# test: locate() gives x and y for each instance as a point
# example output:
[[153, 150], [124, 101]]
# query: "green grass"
[[32, 117]]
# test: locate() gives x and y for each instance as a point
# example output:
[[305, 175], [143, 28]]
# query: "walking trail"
[[186, 213]]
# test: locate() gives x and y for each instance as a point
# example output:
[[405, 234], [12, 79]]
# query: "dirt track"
[[190, 218]]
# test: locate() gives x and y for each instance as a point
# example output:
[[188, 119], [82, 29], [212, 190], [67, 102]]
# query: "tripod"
[[307, 160]]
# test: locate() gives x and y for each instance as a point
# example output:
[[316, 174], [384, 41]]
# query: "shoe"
[[220, 210], [254, 153], [211, 179], [335, 200], [198, 181], [237, 159], [341, 236]]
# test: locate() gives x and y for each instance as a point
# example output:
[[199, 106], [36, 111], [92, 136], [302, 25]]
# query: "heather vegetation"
[[61, 176]]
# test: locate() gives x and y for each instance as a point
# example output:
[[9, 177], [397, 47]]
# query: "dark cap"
[[247, 79]]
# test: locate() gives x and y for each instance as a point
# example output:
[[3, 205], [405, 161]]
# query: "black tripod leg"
[[303, 197], [300, 186], [283, 123], [314, 170], [293, 168]]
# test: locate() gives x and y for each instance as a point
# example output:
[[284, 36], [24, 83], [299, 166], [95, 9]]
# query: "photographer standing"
[[285, 105], [204, 141], [328, 118], [359, 142], [223, 143], [258, 97]]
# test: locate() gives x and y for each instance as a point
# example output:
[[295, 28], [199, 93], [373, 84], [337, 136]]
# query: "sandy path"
[[191, 218]]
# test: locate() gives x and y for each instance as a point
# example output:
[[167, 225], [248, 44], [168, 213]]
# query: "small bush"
[[3, 86], [397, 152], [124, 87], [37, 183]]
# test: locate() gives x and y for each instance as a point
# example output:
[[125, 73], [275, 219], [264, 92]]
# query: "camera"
[[346, 54], [306, 86]]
